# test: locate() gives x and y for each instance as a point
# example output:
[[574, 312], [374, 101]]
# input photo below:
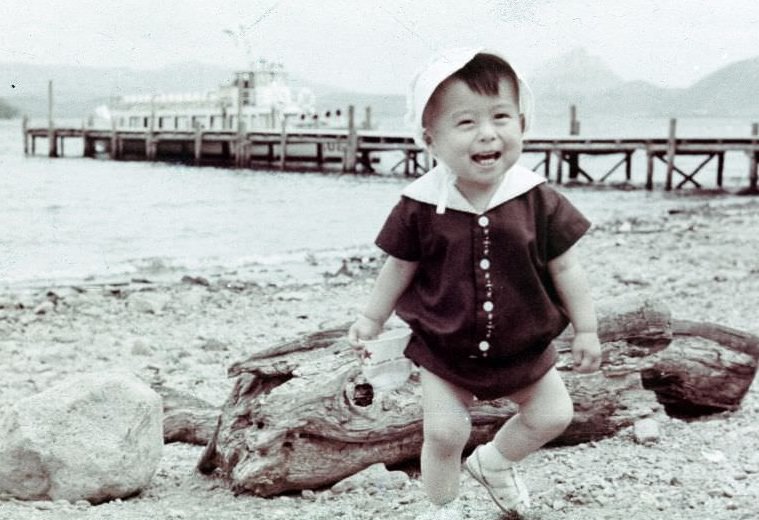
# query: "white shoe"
[[450, 511], [505, 486]]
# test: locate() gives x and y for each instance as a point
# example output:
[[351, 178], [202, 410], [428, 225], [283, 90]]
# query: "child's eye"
[[465, 122], [500, 116]]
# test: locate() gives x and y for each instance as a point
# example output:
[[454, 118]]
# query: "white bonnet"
[[443, 65]]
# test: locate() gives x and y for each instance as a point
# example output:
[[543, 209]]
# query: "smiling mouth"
[[486, 159]]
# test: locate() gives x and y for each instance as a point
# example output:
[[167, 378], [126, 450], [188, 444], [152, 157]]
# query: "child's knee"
[[447, 432], [552, 420]]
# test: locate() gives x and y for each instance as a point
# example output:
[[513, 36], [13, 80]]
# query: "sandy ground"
[[700, 256]]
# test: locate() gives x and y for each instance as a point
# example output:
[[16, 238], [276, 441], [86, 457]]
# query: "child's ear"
[[427, 138]]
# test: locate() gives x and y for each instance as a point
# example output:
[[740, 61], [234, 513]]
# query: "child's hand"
[[362, 329], [586, 351]]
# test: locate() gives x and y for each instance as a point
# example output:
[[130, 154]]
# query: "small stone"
[[308, 494], [647, 431], [372, 479], [191, 299], [9, 302], [140, 348], [649, 499], [195, 280], [339, 281], [213, 345], [752, 464], [45, 307], [291, 296], [27, 319], [147, 302], [714, 456]]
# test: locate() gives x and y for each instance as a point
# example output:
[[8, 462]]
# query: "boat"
[[258, 98]]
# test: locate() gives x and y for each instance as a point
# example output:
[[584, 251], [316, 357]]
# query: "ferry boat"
[[258, 98]]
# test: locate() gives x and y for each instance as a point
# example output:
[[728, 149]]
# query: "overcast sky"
[[374, 45]]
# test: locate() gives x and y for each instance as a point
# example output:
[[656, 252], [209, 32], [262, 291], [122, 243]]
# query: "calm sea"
[[75, 219]]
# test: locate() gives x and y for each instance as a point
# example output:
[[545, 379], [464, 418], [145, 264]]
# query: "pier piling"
[[114, 142], [349, 163], [671, 150], [52, 142], [753, 174], [24, 126], [573, 159], [198, 145], [283, 145]]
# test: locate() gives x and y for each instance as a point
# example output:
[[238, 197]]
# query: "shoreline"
[[696, 254], [602, 203]]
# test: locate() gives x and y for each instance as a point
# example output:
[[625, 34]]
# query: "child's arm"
[[569, 279], [394, 277]]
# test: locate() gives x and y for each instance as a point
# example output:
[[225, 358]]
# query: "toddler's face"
[[479, 137]]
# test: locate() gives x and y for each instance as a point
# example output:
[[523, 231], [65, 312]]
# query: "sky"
[[375, 45]]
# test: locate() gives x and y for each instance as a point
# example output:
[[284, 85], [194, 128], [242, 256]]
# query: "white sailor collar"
[[437, 187]]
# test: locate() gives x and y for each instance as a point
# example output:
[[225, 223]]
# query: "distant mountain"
[[577, 78], [732, 90], [580, 79], [7, 111], [575, 73], [78, 90]]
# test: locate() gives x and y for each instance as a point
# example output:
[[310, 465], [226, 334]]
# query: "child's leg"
[[446, 431], [545, 411]]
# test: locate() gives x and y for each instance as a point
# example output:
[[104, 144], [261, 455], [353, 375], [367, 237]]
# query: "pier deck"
[[354, 149]]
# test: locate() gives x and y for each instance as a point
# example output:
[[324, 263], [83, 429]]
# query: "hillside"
[[732, 90], [78, 90], [7, 111], [575, 73], [584, 80], [576, 77]]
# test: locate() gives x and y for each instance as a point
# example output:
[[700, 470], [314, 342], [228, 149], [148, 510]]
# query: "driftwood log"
[[301, 416]]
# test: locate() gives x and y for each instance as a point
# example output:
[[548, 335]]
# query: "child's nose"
[[487, 131]]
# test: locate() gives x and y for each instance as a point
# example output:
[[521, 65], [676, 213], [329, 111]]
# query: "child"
[[483, 268]]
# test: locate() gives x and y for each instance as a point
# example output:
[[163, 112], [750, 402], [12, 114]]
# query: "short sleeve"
[[399, 236], [565, 224]]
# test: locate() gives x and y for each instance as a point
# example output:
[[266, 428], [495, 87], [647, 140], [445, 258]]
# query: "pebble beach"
[[696, 252]]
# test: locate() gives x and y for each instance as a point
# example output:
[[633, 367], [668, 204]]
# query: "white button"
[[487, 306], [485, 264], [484, 346], [483, 221]]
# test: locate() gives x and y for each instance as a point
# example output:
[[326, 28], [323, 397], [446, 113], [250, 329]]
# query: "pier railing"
[[355, 150]]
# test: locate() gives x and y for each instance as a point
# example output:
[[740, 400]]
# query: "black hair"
[[482, 74]]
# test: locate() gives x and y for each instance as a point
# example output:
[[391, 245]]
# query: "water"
[[76, 219]]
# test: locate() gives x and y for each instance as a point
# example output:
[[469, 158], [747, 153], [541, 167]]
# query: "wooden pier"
[[356, 149]]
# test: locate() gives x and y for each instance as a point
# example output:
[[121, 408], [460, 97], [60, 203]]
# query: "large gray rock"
[[94, 437]]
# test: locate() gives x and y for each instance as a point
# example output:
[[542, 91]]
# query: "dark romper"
[[482, 303]]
